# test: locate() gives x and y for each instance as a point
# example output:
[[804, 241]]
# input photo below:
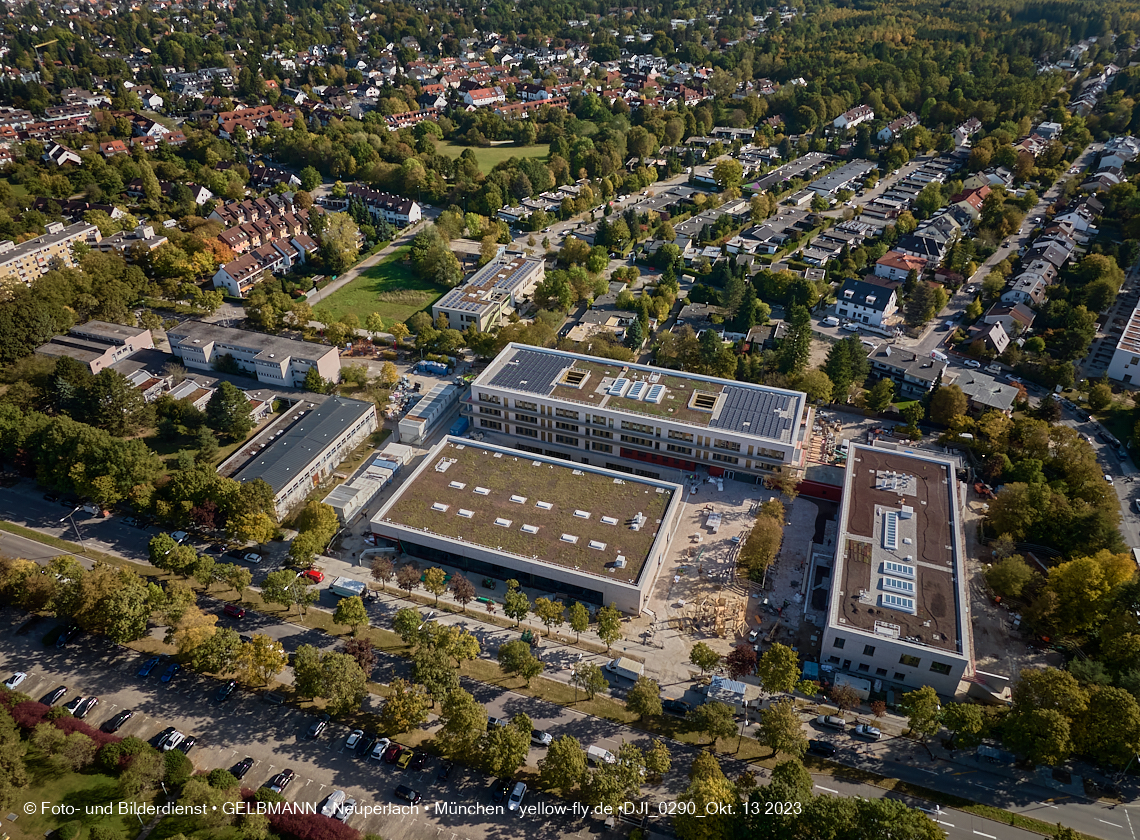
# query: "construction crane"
[[37, 47]]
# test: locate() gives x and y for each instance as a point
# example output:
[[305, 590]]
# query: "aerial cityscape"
[[429, 420]]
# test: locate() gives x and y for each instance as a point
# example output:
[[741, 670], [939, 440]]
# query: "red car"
[[234, 611], [392, 753], [315, 575]]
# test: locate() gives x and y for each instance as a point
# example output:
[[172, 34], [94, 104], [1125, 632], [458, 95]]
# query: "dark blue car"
[[149, 666]]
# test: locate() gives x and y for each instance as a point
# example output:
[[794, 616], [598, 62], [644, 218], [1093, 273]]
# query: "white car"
[[14, 681], [334, 803], [171, 741], [850, 327], [516, 796], [252, 558], [867, 731], [353, 739], [377, 753], [972, 363], [994, 369], [1108, 478]]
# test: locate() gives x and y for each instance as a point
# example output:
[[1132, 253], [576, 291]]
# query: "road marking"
[[829, 790], [943, 822], [1049, 805], [1106, 822], [980, 834]]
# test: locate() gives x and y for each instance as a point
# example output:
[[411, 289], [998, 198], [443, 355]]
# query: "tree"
[[713, 799], [279, 588], [644, 699], [407, 623], [881, 395], [229, 412], [382, 569], [564, 766], [504, 748], [579, 618], [1100, 396], [704, 657], [432, 669], [589, 677], [408, 578], [254, 526], [1042, 736], [351, 613], [843, 696], [741, 661], [715, 719], [778, 669], [462, 590], [795, 348], [405, 708], [515, 657], [1110, 729], [1009, 576], [923, 712], [549, 613], [782, 730], [965, 723], [947, 404], [658, 759], [307, 676], [464, 722], [609, 625], [339, 238], [260, 659], [435, 582], [816, 385], [728, 173], [217, 653], [362, 653], [515, 602]]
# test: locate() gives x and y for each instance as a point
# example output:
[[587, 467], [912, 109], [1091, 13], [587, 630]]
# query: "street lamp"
[[71, 516]]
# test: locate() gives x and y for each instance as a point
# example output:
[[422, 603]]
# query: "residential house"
[[865, 303], [854, 117], [1027, 290], [913, 375], [992, 337], [61, 155], [985, 393], [966, 130], [1015, 318], [897, 127], [895, 265]]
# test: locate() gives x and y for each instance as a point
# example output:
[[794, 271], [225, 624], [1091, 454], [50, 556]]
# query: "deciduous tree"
[[644, 699]]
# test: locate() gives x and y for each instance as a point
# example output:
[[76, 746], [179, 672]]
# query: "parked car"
[[365, 744], [252, 558], [187, 744], [53, 697], [406, 793], [501, 789], [541, 739], [171, 741], [354, 738], [518, 793], [405, 758], [821, 748], [180, 537], [13, 682], [233, 611], [831, 722], [444, 772], [67, 636], [379, 748], [972, 363], [242, 767], [116, 723], [346, 810], [679, 708], [86, 707], [1108, 478], [492, 722], [420, 760], [870, 733], [281, 781], [223, 693], [393, 753], [170, 673], [315, 575], [74, 703], [994, 369], [318, 726], [148, 667]]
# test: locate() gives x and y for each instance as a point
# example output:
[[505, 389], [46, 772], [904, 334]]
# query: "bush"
[[222, 779], [178, 768], [69, 830], [389, 355], [113, 755]]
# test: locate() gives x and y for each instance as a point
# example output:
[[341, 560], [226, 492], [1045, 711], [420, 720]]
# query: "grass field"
[[79, 790], [489, 157], [389, 288]]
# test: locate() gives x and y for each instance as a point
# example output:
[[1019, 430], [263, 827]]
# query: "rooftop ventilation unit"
[[636, 390], [898, 602], [529, 529], [597, 546], [503, 523], [544, 505], [440, 506], [890, 530], [465, 513], [898, 569], [906, 587], [619, 387], [519, 500], [620, 562], [582, 514], [482, 491], [457, 485], [570, 538], [655, 394], [609, 520]]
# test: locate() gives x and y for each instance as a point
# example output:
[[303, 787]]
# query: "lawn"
[[389, 288], [488, 157]]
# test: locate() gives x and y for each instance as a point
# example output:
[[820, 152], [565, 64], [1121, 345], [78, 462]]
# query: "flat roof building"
[[1125, 364], [302, 448], [637, 418], [98, 344], [36, 257], [898, 611], [274, 360], [491, 293], [585, 533]]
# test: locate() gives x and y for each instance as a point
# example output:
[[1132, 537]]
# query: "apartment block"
[[34, 258], [273, 360]]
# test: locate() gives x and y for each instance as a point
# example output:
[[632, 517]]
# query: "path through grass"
[[389, 287]]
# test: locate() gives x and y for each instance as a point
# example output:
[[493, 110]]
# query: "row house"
[[409, 118], [238, 276], [394, 209], [895, 128], [854, 117], [251, 235], [263, 177], [483, 97], [73, 209], [16, 118], [239, 212], [110, 148], [60, 155], [966, 130], [61, 113], [523, 109], [199, 193]]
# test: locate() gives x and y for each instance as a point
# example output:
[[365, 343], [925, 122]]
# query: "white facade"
[[277, 361], [1125, 364]]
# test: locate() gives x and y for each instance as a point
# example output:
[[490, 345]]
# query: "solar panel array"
[[755, 412], [530, 372], [898, 569], [906, 587], [898, 602]]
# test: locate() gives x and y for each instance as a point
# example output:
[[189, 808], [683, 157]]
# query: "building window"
[[900, 677], [940, 667], [529, 406], [526, 418], [567, 427], [601, 447], [637, 440], [601, 434], [565, 412], [600, 420], [839, 643], [637, 427], [494, 411], [864, 668], [523, 430], [567, 441], [675, 435], [880, 672], [868, 650], [1135, 360], [728, 459], [834, 660], [490, 424], [730, 445], [909, 661], [684, 450], [491, 398]]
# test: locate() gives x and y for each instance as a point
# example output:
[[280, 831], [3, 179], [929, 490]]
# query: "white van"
[[631, 669], [600, 755], [830, 321]]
